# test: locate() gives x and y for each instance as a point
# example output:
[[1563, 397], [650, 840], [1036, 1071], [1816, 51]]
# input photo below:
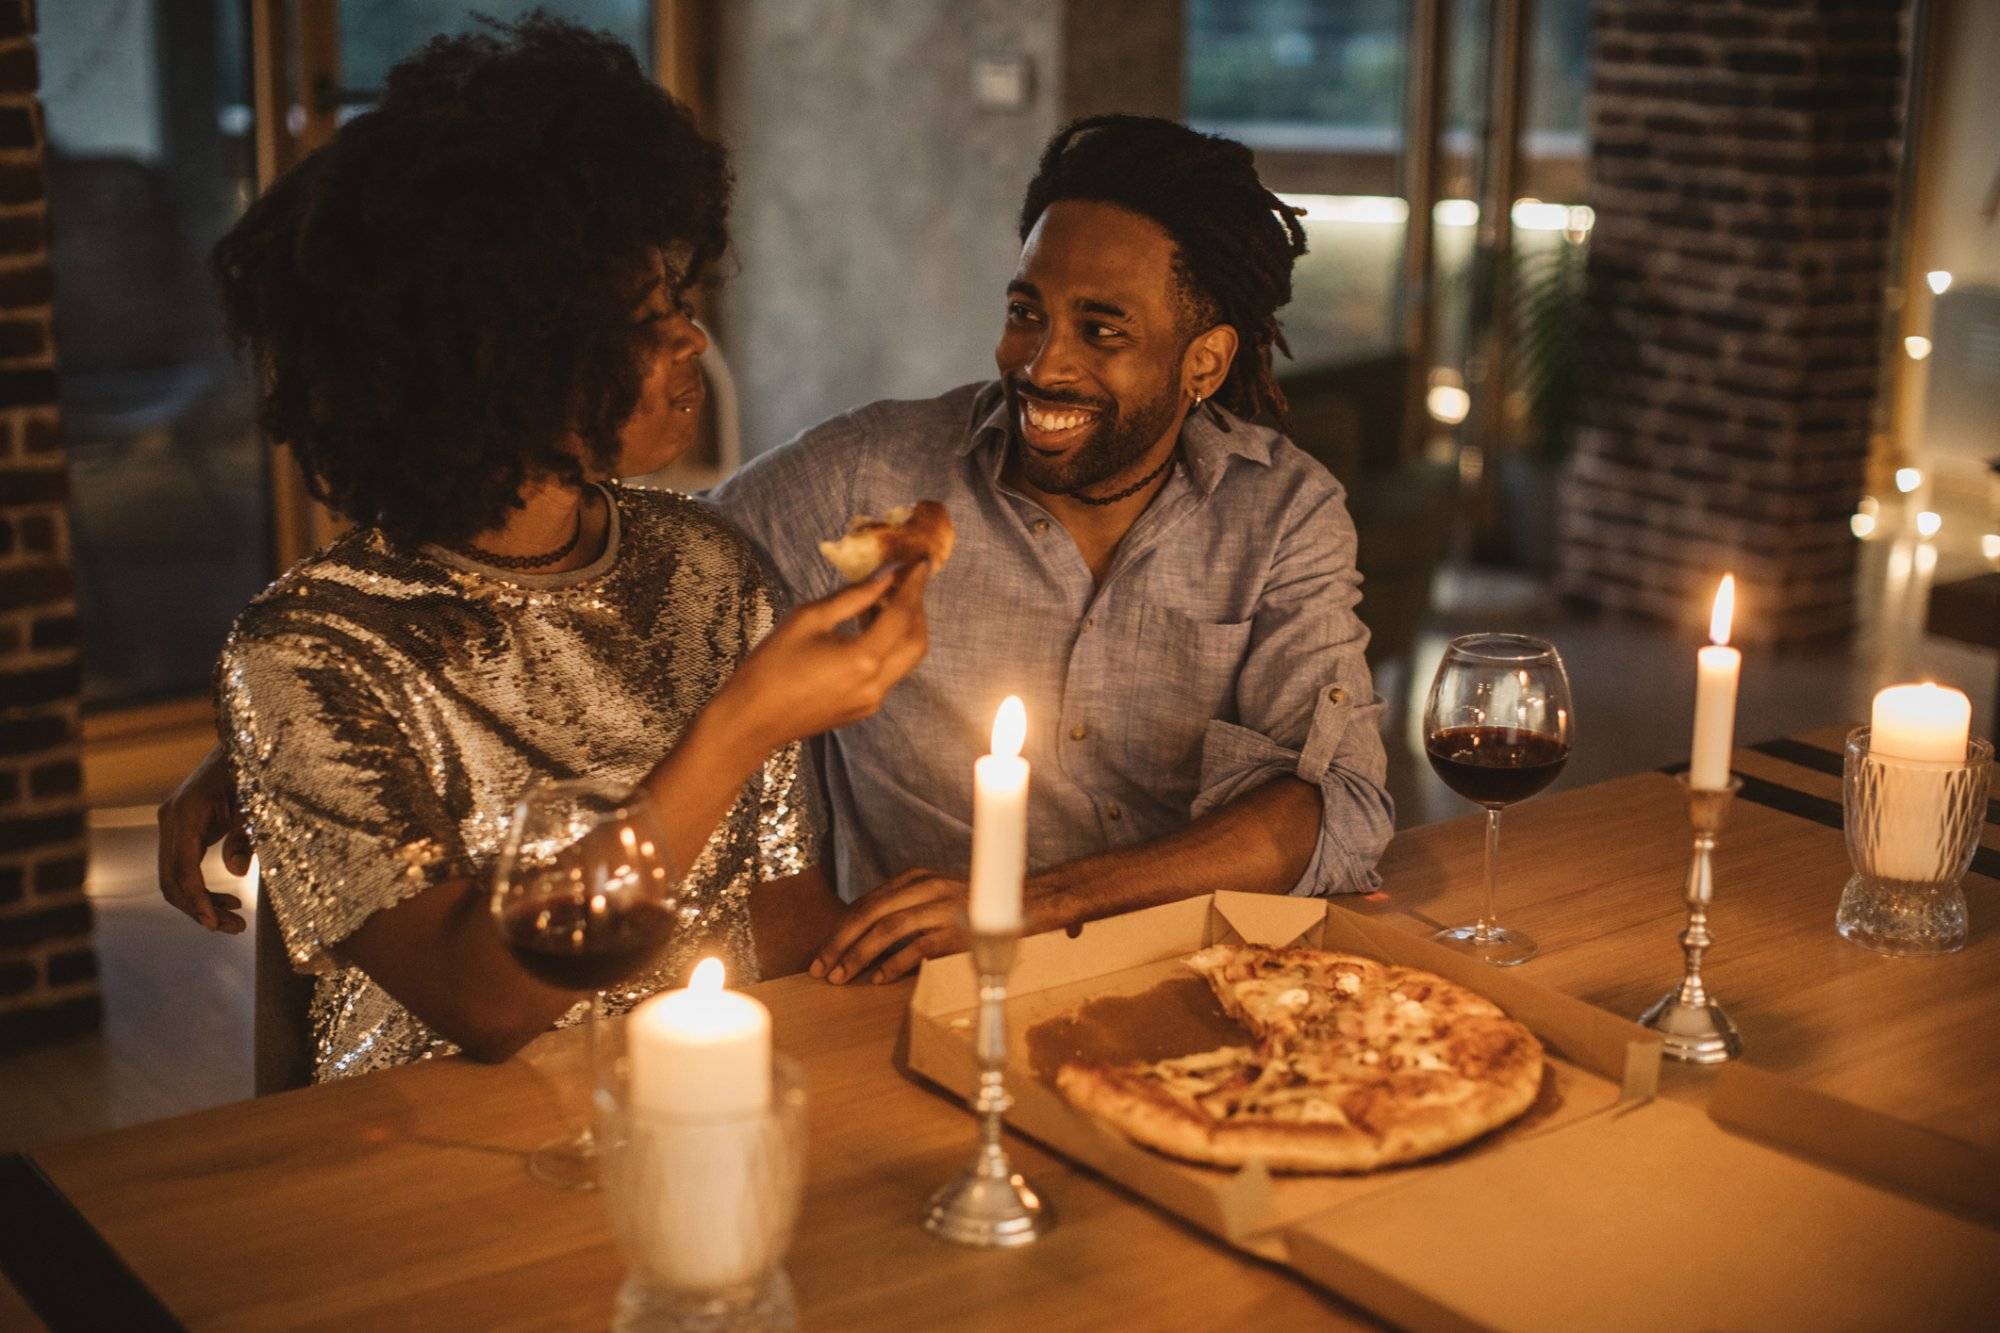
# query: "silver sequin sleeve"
[[346, 820]]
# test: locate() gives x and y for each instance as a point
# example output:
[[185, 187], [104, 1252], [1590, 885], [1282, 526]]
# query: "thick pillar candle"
[[697, 1143], [1000, 824], [1911, 726], [1920, 722], [1716, 669], [702, 1051]]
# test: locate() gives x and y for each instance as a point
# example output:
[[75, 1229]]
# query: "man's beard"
[[1115, 443]]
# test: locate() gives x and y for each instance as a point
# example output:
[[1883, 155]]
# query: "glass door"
[[150, 160]]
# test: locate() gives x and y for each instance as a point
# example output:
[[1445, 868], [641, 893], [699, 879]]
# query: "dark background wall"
[[1743, 168], [48, 970]]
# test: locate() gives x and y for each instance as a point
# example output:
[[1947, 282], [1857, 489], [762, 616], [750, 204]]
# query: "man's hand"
[[917, 915], [201, 812]]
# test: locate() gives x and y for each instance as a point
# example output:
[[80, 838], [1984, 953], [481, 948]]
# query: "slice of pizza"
[[1287, 994], [907, 534]]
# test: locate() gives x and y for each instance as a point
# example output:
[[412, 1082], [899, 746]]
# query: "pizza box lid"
[[1655, 1217], [1625, 1208], [1598, 1061]]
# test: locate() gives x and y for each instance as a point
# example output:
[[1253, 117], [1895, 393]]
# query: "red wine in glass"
[[584, 946], [582, 899], [1495, 765], [1497, 729]]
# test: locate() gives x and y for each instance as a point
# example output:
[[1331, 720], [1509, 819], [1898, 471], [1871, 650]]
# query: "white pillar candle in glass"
[[700, 1088], [1716, 669], [701, 1051], [1918, 724], [1000, 824]]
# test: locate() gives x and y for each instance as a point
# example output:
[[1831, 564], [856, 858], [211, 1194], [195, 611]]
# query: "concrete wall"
[[876, 196]]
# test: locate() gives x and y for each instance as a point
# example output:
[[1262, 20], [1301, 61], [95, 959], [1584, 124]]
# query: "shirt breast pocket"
[[1185, 677]]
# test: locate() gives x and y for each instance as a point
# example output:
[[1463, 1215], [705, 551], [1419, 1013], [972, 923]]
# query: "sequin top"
[[384, 709]]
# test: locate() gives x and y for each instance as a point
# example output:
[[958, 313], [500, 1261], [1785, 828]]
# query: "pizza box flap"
[[1940, 1170], [1268, 919], [1651, 1216]]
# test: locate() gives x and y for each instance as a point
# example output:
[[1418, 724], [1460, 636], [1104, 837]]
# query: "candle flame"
[[707, 976], [1010, 728], [1725, 610]]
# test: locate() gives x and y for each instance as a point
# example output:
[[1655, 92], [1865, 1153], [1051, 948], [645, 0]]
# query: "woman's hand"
[[201, 811], [808, 676]]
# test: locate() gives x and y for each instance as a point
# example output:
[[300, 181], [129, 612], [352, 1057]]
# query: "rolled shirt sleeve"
[[1305, 702]]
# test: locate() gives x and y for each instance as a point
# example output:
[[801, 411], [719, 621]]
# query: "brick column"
[[1743, 166], [48, 969]]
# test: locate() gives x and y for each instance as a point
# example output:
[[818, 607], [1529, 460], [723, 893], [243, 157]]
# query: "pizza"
[[1354, 1065], [909, 533]]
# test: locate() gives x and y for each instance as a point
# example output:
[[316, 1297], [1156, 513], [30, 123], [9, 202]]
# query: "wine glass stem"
[[586, 1136], [1487, 924]]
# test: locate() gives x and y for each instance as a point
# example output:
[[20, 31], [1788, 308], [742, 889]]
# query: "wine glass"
[[583, 901], [1497, 728]]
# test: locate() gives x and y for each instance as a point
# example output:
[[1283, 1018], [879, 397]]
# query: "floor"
[[177, 1000]]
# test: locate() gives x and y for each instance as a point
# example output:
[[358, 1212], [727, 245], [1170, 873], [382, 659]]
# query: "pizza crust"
[[907, 534], [1358, 1065]]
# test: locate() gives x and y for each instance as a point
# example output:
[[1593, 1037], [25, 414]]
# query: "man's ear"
[[1206, 362]]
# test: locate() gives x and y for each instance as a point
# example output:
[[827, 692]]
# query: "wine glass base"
[[1496, 944], [568, 1163], [764, 1306]]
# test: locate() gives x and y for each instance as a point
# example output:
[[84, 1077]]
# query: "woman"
[[466, 315]]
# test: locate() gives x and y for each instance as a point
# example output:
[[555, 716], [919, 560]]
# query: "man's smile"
[[1051, 428]]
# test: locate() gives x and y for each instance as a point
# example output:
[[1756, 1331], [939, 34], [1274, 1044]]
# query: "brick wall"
[[1743, 165], [48, 969]]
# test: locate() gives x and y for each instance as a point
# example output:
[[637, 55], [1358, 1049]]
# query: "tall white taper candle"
[[1716, 670], [1000, 824]]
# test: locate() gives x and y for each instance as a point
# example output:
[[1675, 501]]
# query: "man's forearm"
[[1261, 842]]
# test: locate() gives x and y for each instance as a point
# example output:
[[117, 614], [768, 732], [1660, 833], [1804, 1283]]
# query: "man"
[[1170, 588]]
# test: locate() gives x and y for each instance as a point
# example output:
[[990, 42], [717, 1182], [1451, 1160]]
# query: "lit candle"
[[1920, 722], [702, 1051], [1000, 824], [696, 1145], [1912, 725], [1716, 669]]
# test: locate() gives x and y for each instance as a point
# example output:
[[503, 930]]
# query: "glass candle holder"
[[1912, 826], [703, 1207]]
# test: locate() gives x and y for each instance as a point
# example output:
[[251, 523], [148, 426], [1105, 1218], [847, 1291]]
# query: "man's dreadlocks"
[[1234, 240]]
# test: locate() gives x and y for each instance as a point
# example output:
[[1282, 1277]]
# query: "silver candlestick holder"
[[990, 1204], [1694, 1025]]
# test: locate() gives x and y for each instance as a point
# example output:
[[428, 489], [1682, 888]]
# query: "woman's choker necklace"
[[525, 562]]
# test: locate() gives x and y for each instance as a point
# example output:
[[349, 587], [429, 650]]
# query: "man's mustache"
[[1022, 389]]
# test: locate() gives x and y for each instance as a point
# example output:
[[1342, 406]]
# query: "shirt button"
[[1078, 732], [1090, 622], [1113, 811], [1336, 695], [1041, 525]]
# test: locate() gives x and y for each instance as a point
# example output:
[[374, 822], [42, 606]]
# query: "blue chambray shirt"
[[1222, 649]]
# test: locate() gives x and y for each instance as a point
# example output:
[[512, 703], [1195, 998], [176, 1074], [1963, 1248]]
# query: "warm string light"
[[1928, 524], [1908, 479], [1938, 280]]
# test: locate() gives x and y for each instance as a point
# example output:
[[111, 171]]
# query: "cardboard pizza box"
[[1580, 1214]]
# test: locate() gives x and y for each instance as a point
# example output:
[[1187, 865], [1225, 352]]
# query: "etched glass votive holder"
[[704, 1207], [1912, 827]]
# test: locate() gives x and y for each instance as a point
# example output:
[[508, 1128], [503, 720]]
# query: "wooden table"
[[399, 1199]]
